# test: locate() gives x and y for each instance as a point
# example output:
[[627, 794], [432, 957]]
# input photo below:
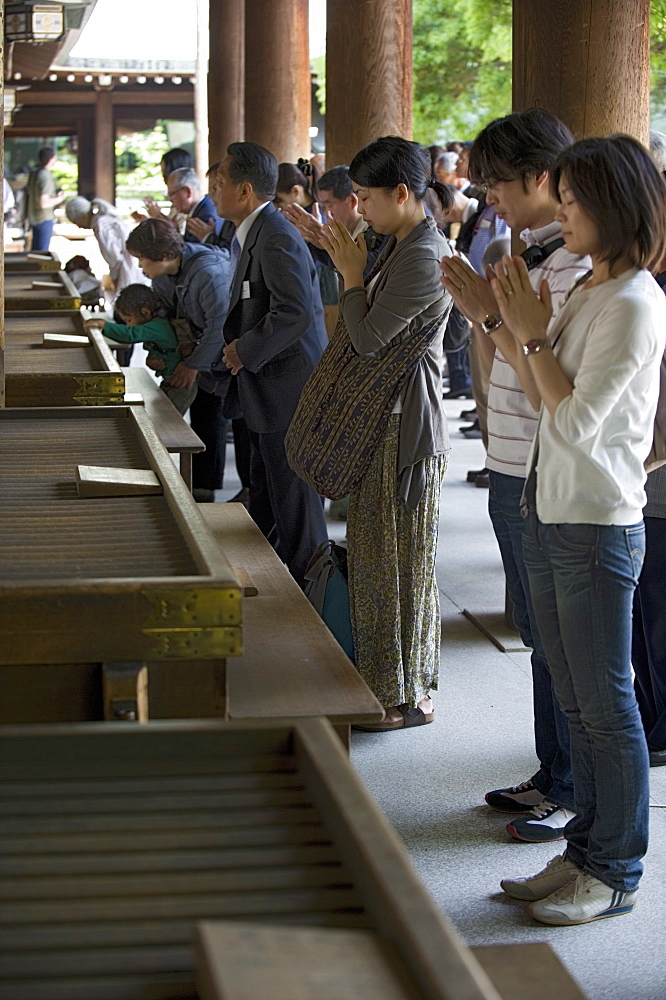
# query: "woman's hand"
[[525, 313], [348, 257]]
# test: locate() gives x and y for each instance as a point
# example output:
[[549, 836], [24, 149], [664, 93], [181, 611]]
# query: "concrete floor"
[[431, 782]]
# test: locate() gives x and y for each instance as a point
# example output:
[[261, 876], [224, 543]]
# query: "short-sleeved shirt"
[[40, 182]]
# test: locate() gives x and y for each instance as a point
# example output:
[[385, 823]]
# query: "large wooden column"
[[277, 77], [105, 160], [587, 61], [226, 76], [368, 74], [2, 249]]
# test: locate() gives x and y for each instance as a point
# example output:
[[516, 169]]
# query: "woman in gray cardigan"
[[394, 511]]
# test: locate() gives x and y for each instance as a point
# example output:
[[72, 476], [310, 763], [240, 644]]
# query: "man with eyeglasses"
[[184, 193], [512, 157]]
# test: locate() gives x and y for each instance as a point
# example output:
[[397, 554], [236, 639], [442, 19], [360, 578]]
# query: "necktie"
[[235, 252]]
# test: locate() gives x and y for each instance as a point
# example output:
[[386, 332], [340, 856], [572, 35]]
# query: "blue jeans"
[[41, 235], [648, 648], [582, 579], [551, 726]]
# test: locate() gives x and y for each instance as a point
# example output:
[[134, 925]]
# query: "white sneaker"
[[557, 873], [583, 900]]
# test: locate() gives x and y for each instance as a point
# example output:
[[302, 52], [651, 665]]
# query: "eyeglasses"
[[170, 194], [491, 185]]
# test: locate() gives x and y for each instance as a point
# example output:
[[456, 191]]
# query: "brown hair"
[[155, 239], [618, 185]]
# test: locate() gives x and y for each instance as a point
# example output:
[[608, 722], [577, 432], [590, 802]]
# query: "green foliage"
[[138, 158], [658, 64], [318, 67], [462, 67]]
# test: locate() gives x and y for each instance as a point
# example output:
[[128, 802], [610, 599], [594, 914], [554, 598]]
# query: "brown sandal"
[[410, 717]]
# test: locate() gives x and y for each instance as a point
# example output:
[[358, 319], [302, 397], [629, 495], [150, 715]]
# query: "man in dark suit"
[[184, 193], [274, 336]]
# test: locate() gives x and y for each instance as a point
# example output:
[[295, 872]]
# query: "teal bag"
[[327, 590]]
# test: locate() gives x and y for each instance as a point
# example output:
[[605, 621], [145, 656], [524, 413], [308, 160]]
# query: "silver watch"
[[534, 346], [491, 323]]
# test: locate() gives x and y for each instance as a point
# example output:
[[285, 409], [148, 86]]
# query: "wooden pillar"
[[587, 61], [86, 156], [105, 134], [226, 76], [277, 77], [2, 230], [368, 74], [201, 94]]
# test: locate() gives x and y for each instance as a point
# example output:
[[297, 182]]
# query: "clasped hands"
[[349, 258], [507, 290]]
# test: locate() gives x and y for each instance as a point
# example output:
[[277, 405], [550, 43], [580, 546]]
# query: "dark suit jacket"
[[205, 210], [276, 315]]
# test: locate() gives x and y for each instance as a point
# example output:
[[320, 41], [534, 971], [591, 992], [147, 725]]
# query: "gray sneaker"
[[557, 873]]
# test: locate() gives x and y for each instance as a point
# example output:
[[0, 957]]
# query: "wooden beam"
[[587, 61], [368, 74]]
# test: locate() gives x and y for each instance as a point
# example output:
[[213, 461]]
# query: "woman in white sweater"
[[597, 374]]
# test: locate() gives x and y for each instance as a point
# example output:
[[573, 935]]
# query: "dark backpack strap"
[[533, 256]]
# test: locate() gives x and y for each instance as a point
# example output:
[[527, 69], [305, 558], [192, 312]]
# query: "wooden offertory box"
[[73, 374], [29, 292], [124, 578], [44, 260], [115, 841]]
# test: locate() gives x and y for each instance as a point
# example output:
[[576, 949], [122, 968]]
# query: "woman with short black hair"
[[597, 373], [394, 508]]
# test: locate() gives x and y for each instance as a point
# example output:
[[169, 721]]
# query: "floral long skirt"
[[393, 596]]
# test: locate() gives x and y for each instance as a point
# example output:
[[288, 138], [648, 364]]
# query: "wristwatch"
[[534, 346], [491, 323]]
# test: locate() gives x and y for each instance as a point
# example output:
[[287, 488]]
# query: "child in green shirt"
[[138, 306]]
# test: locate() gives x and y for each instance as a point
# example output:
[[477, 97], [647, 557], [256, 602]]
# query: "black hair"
[[518, 146], [174, 159], [301, 173], [337, 181], [255, 164], [392, 160], [213, 168], [155, 239], [45, 154], [617, 183], [134, 298]]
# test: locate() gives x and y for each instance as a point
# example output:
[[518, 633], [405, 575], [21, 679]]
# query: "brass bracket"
[[193, 643], [64, 304], [194, 609], [99, 385], [98, 400]]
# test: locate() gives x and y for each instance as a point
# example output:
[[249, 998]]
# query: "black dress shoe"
[[468, 414], [202, 495], [473, 430], [657, 757], [243, 496], [473, 473], [458, 393]]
